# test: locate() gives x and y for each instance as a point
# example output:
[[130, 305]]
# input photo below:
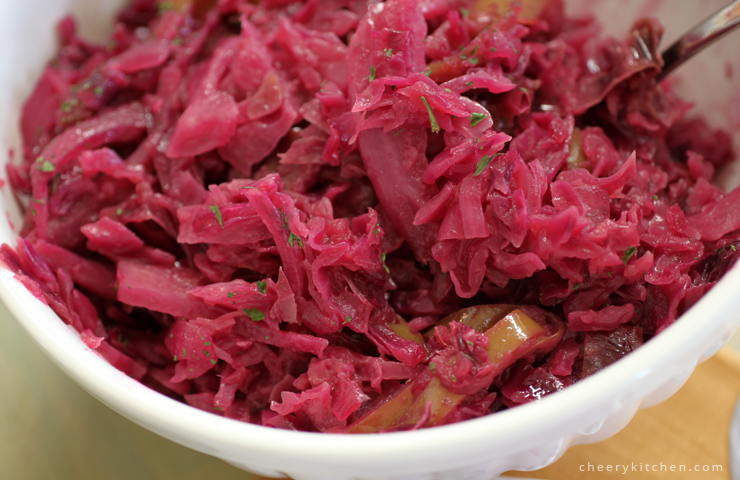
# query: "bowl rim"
[[575, 407]]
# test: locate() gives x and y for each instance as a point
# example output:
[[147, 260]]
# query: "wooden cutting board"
[[51, 429], [691, 428]]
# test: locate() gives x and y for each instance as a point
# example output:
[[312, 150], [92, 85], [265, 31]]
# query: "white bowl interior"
[[527, 437]]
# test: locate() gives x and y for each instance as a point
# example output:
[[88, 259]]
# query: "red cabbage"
[[267, 209]]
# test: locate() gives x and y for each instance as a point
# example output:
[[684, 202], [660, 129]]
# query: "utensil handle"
[[700, 37]]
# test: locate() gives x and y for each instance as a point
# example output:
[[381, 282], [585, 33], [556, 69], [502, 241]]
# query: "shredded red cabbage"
[[267, 210]]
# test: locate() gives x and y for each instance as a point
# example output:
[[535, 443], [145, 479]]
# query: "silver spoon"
[[700, 37]]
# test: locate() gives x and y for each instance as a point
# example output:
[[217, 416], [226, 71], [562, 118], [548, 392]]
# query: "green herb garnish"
[[254, 314], [372, 72], [432, 119], [46, 167], [230, 294], [382, 259], [483, 163], [292, 238], [388, 52], [262, 286], [628, 254], [217, 212], [476, 118]]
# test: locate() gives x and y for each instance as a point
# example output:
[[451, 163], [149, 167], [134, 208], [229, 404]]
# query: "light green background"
[[51, 429]]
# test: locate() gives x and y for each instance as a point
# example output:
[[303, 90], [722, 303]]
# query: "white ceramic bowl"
[[524, 438]]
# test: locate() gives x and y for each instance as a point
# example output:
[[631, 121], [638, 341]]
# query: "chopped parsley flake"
[[469, 84], [474, 61], [98, 90], [382, 259], [46, 167], [475, 49], [388, 52], [432, 119], [231, 295], [476, 118], [262, 286], [493, 49], [372, 72], [454, 377], [254, 314], [464, 12], [432, 367], [654, 197], [398, 133], [732, 247], [609, 274], [483, 163], [217, 212], [66, 107], [292, 238], [628, 254], [347, 319], [448, 90]]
